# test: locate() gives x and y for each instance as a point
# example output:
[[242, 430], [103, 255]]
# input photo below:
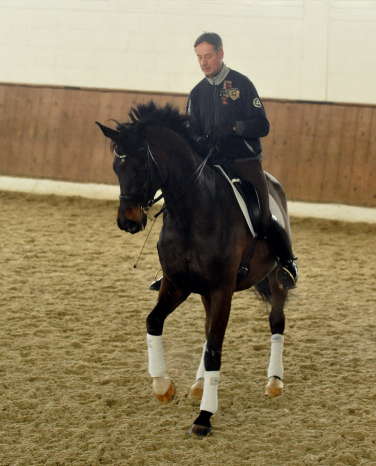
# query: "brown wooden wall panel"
[[371, 165], [50, 132], [323, 152], [320, 152], [358, 180]]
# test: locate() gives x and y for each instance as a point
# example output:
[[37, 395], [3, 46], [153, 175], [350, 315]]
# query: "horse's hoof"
[[274, 387], [197, 390], [168, 396], [200, 431]]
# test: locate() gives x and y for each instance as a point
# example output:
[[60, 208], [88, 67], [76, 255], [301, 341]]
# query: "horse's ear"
[[109, 132]]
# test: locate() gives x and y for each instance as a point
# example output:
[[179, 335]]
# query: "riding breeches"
[[252, 171]]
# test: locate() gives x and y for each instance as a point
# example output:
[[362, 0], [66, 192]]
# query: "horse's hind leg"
[[163, 387], [197, 388], [277, 327]]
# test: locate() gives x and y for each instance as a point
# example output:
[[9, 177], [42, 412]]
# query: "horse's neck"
[[189, 196], [182, 187]]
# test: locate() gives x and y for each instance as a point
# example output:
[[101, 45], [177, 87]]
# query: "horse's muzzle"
[[131, 221]]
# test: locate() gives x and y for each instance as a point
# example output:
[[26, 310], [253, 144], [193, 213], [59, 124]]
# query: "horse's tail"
[[264, 291]]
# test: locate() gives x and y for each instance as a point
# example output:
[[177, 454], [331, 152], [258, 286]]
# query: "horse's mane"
[[150, 114]]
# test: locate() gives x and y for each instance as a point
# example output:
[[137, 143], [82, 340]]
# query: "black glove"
[[221, 131]]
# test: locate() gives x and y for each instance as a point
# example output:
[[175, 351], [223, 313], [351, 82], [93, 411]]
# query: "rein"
[[146, 204], [192, 178]]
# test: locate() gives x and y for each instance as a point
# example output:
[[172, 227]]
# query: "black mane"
[[150, 114]]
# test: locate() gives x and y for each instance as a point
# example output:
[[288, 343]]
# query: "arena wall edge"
[[320, 152]]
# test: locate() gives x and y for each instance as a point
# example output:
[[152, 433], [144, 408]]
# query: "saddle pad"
[[274, 208]]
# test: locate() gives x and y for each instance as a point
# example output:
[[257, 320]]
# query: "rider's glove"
[[221, 131]]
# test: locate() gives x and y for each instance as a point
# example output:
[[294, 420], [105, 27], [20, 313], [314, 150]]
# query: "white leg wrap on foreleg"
[[276, 364], [209, 400], [157, 365], [201, 368]]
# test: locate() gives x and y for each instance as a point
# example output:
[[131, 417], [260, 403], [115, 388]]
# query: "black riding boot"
[[156, 285], [280, 244]]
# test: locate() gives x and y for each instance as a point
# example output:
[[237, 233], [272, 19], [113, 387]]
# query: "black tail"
[[263, 289]]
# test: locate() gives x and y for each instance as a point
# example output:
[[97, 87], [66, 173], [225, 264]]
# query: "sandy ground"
[[74, 387]]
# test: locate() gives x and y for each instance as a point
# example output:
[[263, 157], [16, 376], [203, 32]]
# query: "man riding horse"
[[225, 110]]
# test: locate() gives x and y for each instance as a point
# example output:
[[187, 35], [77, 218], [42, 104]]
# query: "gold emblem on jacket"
[[229, 92]]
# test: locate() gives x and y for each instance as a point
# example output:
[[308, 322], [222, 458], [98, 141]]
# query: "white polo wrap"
[[209, 400], [157, 365], [276, 364]]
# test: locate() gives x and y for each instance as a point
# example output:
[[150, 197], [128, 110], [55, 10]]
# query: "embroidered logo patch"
[[229, 92], [234, 94], [256, 102]]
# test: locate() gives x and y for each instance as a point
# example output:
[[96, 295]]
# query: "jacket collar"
[[220, 76]]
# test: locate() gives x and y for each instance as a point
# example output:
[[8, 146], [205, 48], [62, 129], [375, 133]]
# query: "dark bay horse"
[[203, 242]]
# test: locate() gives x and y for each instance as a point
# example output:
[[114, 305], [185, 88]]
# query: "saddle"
[[251, 199], [247, 198]]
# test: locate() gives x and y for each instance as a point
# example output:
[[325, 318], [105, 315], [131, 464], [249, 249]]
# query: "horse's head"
[[135, 168], [140, 175]]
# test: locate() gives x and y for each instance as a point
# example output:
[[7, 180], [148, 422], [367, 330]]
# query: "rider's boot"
[[156, 284], [280, 244]]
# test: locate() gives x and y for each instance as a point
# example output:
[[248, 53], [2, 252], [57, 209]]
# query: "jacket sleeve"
[[256, 124], [194, 121]]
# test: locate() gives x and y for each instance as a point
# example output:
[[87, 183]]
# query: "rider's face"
[[210, 61]]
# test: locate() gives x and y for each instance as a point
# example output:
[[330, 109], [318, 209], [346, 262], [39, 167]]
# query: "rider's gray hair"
[[211, 38]]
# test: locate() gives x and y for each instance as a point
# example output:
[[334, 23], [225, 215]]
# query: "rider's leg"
[[277, 237], [252, 171]]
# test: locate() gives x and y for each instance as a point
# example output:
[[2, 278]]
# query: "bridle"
[[148, 200]]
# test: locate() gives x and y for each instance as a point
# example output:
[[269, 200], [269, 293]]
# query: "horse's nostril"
[[134, 228], [130, 226]]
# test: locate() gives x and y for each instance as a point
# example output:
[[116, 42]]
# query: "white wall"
[[321, 50]]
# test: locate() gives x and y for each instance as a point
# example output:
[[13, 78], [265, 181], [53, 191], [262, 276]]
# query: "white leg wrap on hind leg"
[[209, 400], [276, 364], [201, 368], [157, 365]]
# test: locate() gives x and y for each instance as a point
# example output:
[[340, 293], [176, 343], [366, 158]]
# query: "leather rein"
[[148, 200]]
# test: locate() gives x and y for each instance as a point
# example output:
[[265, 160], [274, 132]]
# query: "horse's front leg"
[[163, 387], [277, 327], [217, 307]]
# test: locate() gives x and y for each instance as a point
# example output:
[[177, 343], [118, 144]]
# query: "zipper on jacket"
[[216, 94]]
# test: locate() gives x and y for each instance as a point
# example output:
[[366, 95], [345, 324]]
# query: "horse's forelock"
[[131, 138]]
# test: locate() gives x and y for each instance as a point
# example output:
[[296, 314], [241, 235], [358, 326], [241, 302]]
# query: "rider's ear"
[[109, 132]]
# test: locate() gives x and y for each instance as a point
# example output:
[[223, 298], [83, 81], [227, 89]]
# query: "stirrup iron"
[[287, 275]]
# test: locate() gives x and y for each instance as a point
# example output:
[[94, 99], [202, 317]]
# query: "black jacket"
[[232, 98]]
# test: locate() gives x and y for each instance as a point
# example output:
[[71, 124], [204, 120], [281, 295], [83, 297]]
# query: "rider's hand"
[[221, 131]]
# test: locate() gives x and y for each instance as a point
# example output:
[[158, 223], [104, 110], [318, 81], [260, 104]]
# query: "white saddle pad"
[[274, 208]]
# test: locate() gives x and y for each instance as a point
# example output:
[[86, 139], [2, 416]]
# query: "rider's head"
[[209, 51]]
